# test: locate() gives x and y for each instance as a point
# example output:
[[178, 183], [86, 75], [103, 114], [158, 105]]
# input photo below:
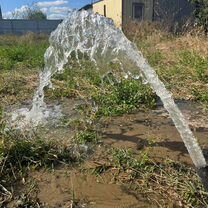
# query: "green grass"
[[21, 59], [201, 95], [196, 62], [86, 137], [22, 52], [112, 95], [124, 159], [21, 153], [124, 97], [22, 56], [180, 61], [183, 70], [159, 181]]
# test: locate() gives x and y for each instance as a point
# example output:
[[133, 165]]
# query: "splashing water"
[[97, 37]]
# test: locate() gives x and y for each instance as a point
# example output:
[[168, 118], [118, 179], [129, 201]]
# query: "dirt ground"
[[151, 131]]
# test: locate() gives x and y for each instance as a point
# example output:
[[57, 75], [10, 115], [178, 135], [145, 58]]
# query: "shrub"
[[201, 13]]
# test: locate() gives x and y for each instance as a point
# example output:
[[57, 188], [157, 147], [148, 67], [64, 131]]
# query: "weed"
[[201, 95], [124, 159], [155, 58], [86, 69], [1, 113], [197, 62], [111, 95], [100, 169], [20, 55], [19, 153], [165, 180], [84, 137], [123, 97]]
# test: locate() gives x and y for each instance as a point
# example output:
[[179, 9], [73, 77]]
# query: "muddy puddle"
[[155, 132], [64, 188]]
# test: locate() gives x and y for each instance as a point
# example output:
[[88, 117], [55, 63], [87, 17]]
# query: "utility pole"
[[0, 13]]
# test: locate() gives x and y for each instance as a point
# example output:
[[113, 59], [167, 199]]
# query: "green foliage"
[[1, 113], [111, 96], [24, 152], [2, 123], [148, 177], [16, 54], [123, 97], [22, 56], [84, 137], [201, 96], [201, 13], [155, 58], [197, 62], [32, 12], [124, 159], [75, 80], [36, 15], [19, 154], [86, 71]]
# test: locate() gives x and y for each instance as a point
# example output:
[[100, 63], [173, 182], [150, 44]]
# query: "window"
[[138, 11], [105, 10]]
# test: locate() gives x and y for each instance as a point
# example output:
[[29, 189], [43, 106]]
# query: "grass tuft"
[[159, 181]]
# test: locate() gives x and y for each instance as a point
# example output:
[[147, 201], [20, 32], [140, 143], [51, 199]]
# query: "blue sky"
[[54, 9]]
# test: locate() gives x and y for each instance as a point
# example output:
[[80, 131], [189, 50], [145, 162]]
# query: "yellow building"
[[121, 11]]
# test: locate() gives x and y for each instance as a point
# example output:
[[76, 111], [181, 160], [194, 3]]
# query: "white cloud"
[[52, 9], [7, 15], [51, 3], [18, 13], [56, 16], [58, 10], [44, 10]]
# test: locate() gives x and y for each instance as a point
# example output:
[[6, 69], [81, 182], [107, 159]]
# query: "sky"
[[55, 9]]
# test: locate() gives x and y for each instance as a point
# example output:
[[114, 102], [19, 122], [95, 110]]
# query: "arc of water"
[[97, 36]]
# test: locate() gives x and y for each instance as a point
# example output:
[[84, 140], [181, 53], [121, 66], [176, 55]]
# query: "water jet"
[[98, 38]]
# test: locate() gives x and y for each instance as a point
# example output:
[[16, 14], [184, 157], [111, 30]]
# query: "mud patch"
[[154, 132], [62, 188]]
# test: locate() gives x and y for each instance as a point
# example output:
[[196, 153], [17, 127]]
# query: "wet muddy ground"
[[149, 131], [155, 131]]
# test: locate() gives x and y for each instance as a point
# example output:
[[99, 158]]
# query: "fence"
[[21, 27]]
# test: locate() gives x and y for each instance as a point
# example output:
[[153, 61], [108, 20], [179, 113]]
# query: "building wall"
[[172, 10], [113, 10], [128, 10], [21, 27], [174, 14]]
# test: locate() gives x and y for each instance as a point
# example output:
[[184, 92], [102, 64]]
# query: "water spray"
[[98, 38]]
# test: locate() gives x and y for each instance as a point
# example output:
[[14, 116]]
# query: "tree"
[[36, 14], [201, 13], [30, 13]]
